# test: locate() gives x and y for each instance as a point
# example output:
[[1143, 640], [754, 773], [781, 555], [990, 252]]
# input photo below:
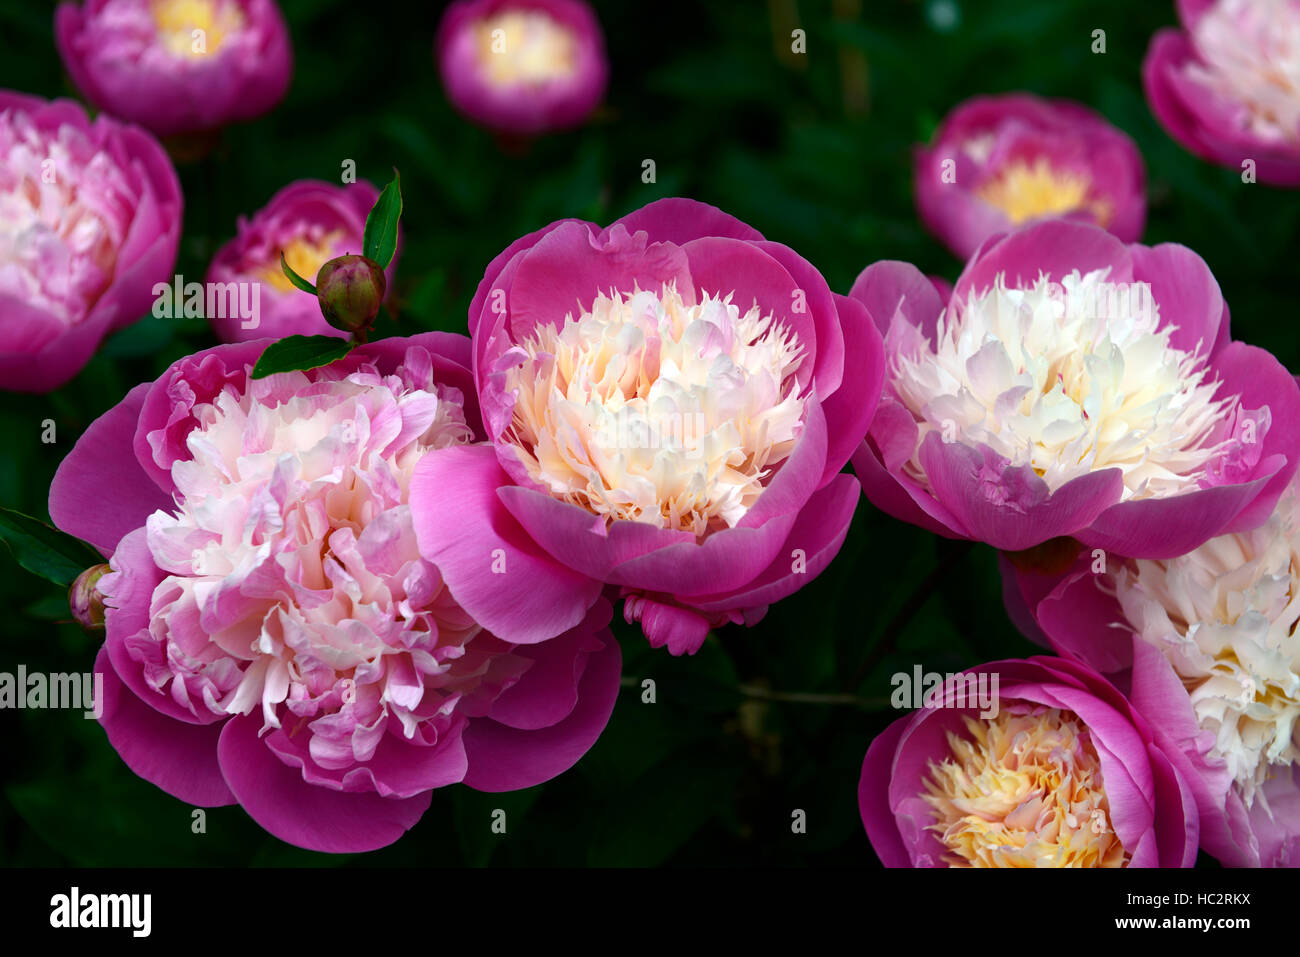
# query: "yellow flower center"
[[1027, 192], [304, 257], [1023, 790], [195, 28], [525, 47]]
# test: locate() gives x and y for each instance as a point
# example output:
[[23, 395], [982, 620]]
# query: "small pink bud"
[[85, 599]]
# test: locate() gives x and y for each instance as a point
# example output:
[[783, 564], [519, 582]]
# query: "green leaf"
[[45, 551], [294, 278], [380, 241], [294, 353]]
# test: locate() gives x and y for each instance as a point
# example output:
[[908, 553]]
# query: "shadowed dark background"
[[815, 152]]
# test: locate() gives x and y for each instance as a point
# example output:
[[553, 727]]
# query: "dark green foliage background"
[[711, 773]]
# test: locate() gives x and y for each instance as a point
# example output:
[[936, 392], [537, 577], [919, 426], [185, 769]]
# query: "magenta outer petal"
[[1055, 248], [902, 498], [569, 265], [1020, 608], [502, 758], [177, 757], [1030, 515], [889, 287], [819, 534], [464, 530], [850, 409], [1169, 527], [310, 816], [102, 460], [679, 220], [1079, 620], [1186, 294], [1159, 696], [873, 796], [667, 625], [548, 691]]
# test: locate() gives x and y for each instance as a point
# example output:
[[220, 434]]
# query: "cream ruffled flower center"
[[1225, 616], [648, 409], [525, 48], [1067, 379], [1023, 790], [1251, 54], [294, 583]]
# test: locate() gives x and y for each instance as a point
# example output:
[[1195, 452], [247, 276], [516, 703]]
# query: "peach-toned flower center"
[[64, 212], [294, 583], [650, 409], [525, 48], [1023, 789], [1067, 379], [305, 254], [1027, 191], [1250, 53], [1226, 616], [195, 28]]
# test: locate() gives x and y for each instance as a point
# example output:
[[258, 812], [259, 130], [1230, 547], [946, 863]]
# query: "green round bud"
[[85, 600], [350, 289]]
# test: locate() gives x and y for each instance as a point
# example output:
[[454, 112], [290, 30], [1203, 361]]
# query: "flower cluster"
[[342, 574]]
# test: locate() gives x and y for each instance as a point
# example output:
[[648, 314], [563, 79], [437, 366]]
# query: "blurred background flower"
[[177, 66], [90, 219], [1000, 162], [522, 66]]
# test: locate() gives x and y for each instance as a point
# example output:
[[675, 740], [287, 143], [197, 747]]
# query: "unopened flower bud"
[[85, 598], [350, 289]]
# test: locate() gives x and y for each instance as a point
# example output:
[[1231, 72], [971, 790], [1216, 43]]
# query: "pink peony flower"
[[177, 66], [999, 162], [1067, 773], [670, 401], [1213, 634], [1074, 386], [311, 222], [522, 66], [90, 219], [274, 637], [1227, 86]]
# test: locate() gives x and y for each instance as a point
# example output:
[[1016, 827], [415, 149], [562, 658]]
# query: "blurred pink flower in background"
[[670, 401], [1227, 85], [177, 66], [274, 637], [1066, 773], [90, 219], [311, 222], [522, 66], [1074, 386], [998, 162]]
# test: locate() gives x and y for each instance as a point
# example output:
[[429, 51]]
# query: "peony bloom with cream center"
[[1225, 616], [1072, 386], [651, 410], [1023, 789], [1047, 376]]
